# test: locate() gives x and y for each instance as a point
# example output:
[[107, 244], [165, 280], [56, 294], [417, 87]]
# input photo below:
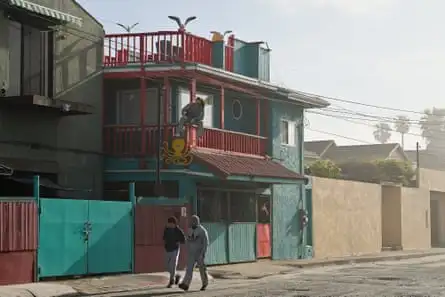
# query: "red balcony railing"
[[231, 141], [133, 141], [156, 47]]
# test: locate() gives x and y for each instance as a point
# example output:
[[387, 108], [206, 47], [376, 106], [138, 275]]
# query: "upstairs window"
[[184, 99], [288, 131], [129, 108], [31, 55]]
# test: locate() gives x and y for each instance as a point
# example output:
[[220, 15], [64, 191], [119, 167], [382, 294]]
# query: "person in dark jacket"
[[173, 237], [192, 114]]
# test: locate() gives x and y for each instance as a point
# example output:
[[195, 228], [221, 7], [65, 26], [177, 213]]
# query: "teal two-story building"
[[245, 179]]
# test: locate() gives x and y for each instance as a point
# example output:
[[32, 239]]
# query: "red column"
[[143, 106], [192, 132], [221, 109], [258, 123], [221, 117]]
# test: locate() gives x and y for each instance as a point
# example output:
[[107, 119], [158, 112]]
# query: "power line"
[[338, 135]]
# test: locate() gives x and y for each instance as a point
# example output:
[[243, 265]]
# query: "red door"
[[263, 227]]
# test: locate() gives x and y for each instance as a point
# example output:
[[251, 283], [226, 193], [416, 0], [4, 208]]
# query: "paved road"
[[414, 277]]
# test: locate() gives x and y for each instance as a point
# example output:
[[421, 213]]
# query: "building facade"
[[245, 178], [51, 91]]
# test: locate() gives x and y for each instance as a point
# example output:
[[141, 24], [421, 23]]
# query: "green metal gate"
[[79, 237]]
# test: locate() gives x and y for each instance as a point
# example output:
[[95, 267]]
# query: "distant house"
[[310, 157], [427, 159], [318, 147], [327, 149], [365, 153]]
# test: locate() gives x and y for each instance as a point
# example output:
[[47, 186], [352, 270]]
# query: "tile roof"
[[226, 164], [362, 153]]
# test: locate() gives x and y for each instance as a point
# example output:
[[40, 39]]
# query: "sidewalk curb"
[[322, 263], [370, 259]]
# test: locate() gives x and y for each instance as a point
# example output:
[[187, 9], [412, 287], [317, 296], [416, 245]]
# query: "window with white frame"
[[184, 99], [129, 110], [288, 130]]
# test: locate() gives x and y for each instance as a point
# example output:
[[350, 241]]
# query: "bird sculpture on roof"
[[181, 25], [218, 36], [127, 28]]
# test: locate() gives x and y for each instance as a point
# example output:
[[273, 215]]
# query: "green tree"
[[395, 171], [360, 171], [382, 132], [432, 125], [324, 168], [402, 125]]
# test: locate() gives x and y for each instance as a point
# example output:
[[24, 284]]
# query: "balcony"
[[137, 141], [161, 47]]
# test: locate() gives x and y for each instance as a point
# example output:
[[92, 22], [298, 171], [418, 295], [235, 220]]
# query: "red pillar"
[[221, 109], [143, 106], [192, 132], [221, 116], [258, 123]]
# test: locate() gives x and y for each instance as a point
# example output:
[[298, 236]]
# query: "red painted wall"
[[149, 246], [18, 242]]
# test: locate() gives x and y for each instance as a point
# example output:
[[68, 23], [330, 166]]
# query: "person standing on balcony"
[[173, 237], [197, 243], [192, 115]]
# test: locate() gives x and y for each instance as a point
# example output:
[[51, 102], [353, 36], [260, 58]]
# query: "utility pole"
[[158, 186], [417, 165]]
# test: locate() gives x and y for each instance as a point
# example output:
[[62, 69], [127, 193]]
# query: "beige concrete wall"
[[391, 217], [432, 180], [437, 216], [347, 218], [416, 222]]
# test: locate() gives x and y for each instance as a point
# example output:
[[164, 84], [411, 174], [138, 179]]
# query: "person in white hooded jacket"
[[197, 243]]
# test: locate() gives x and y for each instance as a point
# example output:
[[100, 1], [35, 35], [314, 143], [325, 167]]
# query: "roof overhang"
[[39, 103], [46, 11], [304, 99]]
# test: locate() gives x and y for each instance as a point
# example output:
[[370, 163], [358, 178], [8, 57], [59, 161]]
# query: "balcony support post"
[[258, 123], [143, 106], [221, 114], [191, 135]]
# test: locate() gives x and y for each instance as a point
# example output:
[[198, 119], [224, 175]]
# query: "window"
[[31, 61], [242, 207], [184, 99], [169, 189], [288, 132], [212, 206], [128, 107], [237, 109]]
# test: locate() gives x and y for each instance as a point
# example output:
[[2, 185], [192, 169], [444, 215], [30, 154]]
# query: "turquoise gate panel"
[[62, 244], [110, 245], [242, 242], [217, 250]]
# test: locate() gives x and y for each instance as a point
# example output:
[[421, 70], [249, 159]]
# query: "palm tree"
[[432, 125], [382, 132], [402, 125]]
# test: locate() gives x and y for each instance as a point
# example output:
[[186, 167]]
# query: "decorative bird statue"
[[217, 36], [179, 22], [127, 28]]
